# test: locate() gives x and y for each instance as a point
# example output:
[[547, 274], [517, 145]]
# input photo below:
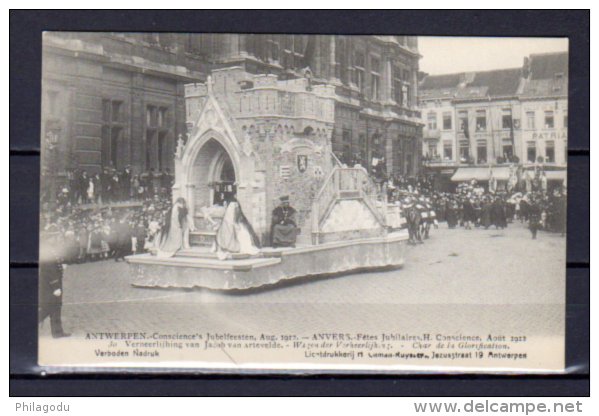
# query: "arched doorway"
[[212, 175]]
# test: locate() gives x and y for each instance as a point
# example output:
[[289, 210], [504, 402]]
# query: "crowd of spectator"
[[103, 232], [110, 186], [473, 205]]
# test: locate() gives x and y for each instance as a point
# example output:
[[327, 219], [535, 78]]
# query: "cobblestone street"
[[458, 279]]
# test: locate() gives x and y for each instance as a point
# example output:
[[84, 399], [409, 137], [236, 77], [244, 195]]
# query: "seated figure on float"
[[235, 233], [283, 231]]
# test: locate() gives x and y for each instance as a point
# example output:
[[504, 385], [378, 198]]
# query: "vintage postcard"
[[239, 202]]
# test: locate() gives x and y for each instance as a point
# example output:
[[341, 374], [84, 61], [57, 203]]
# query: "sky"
[[446, 55]]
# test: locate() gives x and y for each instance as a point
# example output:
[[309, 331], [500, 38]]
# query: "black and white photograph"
[[303, 203]]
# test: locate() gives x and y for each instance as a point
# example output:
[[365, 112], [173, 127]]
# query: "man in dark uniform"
[[82, 185], [283, 230], [534, 216], [123, 243], [50, 285], [105, 182]]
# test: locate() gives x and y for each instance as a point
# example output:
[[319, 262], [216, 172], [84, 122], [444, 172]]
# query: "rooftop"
[[547, 65], [494, 83]]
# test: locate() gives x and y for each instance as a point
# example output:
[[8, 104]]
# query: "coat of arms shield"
[[302, 163]]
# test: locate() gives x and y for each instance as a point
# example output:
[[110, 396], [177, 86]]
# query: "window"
[[164, 39], [530, 120], [150, 115], [432, 121], [152, 38], [464, 152], [447, 150], [106, 110], [112, 132], [550, 152], [446, 121], [150, 135], [116, 110], [531, 152], [432, 150], [162, 117], [406, 88], [481, 152], [549, 119], [346, 135], [157, 133], [508, 150], [191, 43], [375, 79], [275, 47], [565, 119], [463, 115], [506, 119], [161, 150], [565, 151], [481, 120], [397, 86], [114, 145], [360, 73]]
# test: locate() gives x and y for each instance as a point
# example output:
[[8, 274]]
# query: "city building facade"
[[544, 101], [110, 100], [114, 99], [496, 124], [375, 80]]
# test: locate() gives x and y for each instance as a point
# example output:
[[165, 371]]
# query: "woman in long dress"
[[235, 234], [175, 233]]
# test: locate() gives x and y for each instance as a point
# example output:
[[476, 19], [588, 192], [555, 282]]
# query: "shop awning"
[[552, 175], [480, 174], [555, 175]]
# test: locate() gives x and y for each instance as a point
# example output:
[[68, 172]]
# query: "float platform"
[[198, 267]]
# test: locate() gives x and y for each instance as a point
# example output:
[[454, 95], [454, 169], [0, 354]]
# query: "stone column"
[[318, 72], [351, 62], [333, 63], [189, 194]]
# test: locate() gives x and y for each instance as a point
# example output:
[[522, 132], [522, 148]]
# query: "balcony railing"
[[431, 134], [438, 163]]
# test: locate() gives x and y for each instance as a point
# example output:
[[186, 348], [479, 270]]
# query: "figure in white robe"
[[175, 233], [235, 234]]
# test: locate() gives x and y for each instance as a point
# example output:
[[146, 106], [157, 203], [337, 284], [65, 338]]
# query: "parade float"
[[257, 138]]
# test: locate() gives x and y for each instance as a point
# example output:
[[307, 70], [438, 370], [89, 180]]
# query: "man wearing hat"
[[283, 231], [50, 286], [126, 183]]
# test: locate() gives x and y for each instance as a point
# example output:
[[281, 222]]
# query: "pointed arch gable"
[[192, 152]]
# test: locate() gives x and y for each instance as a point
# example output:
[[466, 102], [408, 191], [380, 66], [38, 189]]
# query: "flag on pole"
[[492, 181], [513, 179]]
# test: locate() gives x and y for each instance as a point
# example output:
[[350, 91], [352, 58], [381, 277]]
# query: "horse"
[[413, 220]]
